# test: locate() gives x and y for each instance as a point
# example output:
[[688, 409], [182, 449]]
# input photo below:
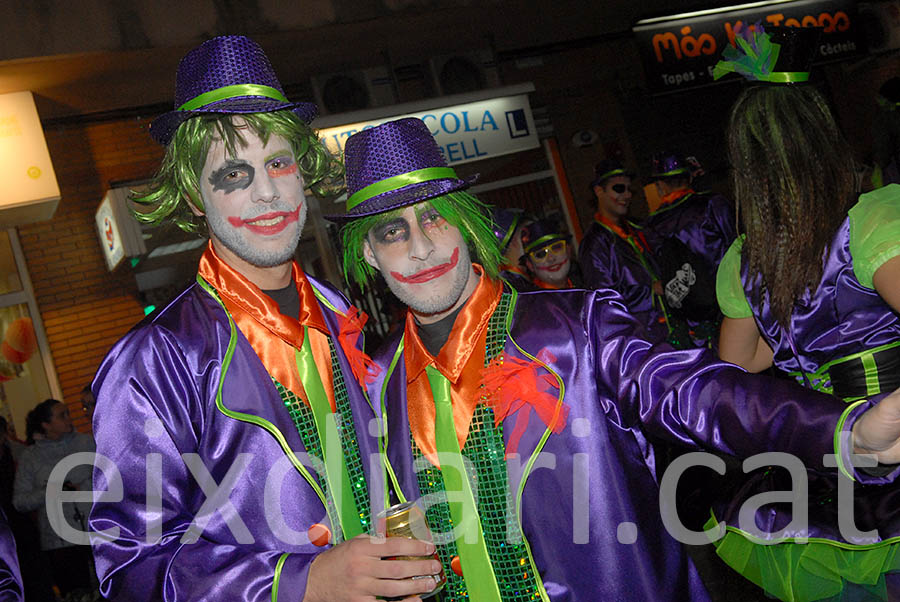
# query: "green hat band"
[[399, 181], [613, 172], [543, 239], [509, 232], [226, 92], [673, 172]]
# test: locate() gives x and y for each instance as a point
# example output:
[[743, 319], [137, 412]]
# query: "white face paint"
[[253, 202], [424, 260], [552, 263]]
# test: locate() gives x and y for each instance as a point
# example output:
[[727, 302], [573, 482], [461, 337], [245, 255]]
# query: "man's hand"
[[878, 430], [357, 571]]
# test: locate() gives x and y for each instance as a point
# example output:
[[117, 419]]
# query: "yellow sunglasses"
[[541, 254]]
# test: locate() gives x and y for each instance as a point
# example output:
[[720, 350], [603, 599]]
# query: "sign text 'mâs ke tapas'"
[[680, 51]]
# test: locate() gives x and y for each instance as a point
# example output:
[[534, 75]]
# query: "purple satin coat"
[[608, 262], [598, 473], [703, 221], [10, 577], [165, 374], [839, 318]]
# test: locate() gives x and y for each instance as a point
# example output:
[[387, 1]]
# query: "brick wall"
[[84, 307]]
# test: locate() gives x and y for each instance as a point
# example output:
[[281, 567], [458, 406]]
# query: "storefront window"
[[9, 274], [27, 376]]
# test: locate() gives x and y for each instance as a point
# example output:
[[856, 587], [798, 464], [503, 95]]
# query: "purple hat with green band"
[[541, 233], [505, 221], [668, 164], [227, 74], [392, 165]]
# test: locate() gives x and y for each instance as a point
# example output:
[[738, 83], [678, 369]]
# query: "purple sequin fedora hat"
[[667, 164], [392, 165], [227, 74]]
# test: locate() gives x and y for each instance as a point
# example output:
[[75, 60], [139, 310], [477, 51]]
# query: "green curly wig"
[[177, 182]]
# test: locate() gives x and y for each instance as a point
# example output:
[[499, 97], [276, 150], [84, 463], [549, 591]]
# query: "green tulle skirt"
[[820, 570]]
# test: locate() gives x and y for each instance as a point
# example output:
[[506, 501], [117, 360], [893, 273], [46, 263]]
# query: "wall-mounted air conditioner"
[[353, 90], [464, 71]]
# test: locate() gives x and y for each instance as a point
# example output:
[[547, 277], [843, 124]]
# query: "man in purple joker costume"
[[614, 253], [233, 422], [529, 411], [689, 233]]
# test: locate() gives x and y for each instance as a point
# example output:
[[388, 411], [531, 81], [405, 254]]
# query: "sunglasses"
[[541, 254], [619, 188]]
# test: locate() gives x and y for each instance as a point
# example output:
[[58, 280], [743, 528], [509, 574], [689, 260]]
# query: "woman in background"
[[51, 438]]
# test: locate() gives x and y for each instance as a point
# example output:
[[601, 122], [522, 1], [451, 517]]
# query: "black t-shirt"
[[287, 298], [434, 335]]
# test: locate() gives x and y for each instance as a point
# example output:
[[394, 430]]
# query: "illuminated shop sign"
[[465, 132], [680, 51], [119, 233], [30, 192]]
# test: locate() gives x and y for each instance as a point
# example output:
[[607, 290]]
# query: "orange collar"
[[673, 196], [460, 360], [234, 287], [258, 318], [619, 230], [625, 232]]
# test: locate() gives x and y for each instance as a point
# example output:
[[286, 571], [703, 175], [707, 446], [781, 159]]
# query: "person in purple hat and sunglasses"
[[520, 421], [548, 255], [232, 426]]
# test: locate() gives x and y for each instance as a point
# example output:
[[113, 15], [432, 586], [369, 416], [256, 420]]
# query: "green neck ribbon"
[[478, 573], [336, 472], [399, 181], [226, 92]]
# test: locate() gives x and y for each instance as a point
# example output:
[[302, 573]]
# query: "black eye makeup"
[[234, 175], [392, 230], [619, 188]]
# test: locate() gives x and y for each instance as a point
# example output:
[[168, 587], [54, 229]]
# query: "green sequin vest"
[[303, 419], [486, 451]]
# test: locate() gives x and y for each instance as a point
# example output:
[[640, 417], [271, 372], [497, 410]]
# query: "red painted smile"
[[555, 267], [431, 273], [268, 223]]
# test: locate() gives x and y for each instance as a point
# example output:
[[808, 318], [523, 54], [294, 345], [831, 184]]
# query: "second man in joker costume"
[[529, 411]]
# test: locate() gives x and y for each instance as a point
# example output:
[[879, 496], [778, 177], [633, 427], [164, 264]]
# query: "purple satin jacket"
[[703, 221], [608, 262], [590, 506], [10, 577], [233, 478]]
